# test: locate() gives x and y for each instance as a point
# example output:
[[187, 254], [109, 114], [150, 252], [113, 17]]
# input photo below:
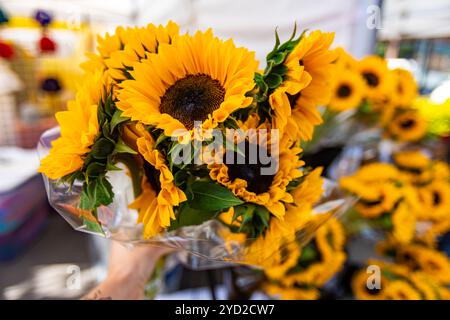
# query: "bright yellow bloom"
[[408, 126], [248, 183], [298, 109], [406, 87], [435, 198], [139, 44], [79, 128], [195, 78], [159, 193], [376, 74], [348, 91]]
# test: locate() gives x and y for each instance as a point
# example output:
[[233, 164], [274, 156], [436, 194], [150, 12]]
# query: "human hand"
[[128, 272]]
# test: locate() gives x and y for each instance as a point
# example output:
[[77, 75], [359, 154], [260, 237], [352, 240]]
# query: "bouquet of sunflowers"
[[180, 140]]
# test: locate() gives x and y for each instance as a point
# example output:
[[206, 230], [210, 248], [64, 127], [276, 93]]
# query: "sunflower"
[[436, 201], [363, 291], [79, 128], [427, 260], [140, 43], [408, 126], [375, 72], [106, 46], [248, 182], [348, 91], [159, 193], [406, 87], [194, 79], [383, 198], [298, 107], [400, 290]]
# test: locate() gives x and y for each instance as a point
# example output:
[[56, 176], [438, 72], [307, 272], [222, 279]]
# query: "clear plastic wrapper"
[[199, 247]]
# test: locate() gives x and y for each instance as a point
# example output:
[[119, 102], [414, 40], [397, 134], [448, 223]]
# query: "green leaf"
[[211, 196], [117, 119], [274, 80], [95, 169], [112, 167], [191, 217], [93, 226], [96, 193], [278, 58], [259, 80], [263, 214], [122, 147], [103, 192], [102, 148]]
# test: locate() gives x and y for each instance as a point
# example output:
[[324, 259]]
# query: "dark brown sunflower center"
[[408, 123], [249, 168], [371, 79], [436, 198], [192, 99], [152, 176], [344, 91]]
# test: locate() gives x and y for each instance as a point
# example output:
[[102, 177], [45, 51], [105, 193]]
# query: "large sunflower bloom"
[[159, 193], [195, 78], [79, 128], [300, 108]]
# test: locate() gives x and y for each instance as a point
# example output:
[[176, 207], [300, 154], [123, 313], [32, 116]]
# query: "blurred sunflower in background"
[[406, 87], [407, 126], [348, 91], [376, 74], [195, 78], [312, 267]]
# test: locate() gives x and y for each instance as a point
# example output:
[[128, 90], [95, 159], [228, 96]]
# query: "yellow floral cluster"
[[408, 199], [397, 196], [381, 96], [393, 281]]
